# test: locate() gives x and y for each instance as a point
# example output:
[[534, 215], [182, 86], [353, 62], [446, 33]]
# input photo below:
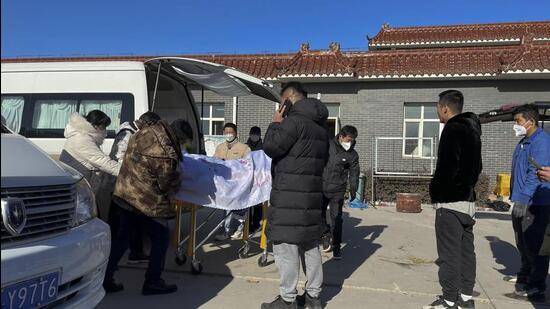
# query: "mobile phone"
[[287, 105], [534, 163]]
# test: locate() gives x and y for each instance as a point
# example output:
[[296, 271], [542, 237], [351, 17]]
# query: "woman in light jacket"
[[82, 149]]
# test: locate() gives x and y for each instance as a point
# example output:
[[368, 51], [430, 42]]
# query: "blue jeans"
[[158, 231]]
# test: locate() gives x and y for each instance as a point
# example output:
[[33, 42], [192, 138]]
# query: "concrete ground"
[[388, 263]]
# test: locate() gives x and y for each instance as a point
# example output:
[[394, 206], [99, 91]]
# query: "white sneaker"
[[238, 233]]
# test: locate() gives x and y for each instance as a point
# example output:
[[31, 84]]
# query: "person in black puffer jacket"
[[298, 146], [343, 165]]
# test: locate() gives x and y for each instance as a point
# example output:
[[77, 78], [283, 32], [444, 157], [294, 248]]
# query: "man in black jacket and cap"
[[298, 146], [343, 165], [452, 191]]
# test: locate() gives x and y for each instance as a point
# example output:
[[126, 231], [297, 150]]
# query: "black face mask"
[[254, 138]]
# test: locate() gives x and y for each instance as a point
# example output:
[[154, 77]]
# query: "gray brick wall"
[[376, 109]]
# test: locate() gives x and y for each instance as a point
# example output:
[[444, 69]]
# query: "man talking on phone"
[[297, 141], [531, 197]]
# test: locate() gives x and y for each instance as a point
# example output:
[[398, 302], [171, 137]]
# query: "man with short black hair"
[[231, 149], [342, 168], [452, 191], [298, 146], [531, 197]]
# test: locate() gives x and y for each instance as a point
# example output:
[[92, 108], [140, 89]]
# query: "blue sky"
[[163, 27]]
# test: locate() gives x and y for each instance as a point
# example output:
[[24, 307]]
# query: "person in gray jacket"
[[117, 153]]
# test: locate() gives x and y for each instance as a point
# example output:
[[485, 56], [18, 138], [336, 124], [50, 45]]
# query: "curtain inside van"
[[113, 109], [12, 112], [53, 114]]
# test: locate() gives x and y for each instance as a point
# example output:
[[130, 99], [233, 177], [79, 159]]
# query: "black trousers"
[[136, 233], [158, 231], [335, 203], [456, 255], [529, 230]]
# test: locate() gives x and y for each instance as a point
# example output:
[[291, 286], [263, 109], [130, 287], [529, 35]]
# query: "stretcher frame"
[[187, 246]]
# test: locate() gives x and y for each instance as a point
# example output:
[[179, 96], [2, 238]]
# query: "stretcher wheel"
[[196, 268], [180, 259], [262, 260], [243, 251]]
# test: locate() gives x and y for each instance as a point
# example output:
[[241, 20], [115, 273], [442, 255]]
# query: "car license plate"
[[31, 293]]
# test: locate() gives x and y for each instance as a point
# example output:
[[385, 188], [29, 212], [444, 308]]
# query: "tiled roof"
[[430, 63], [461, 35], [456, 62]]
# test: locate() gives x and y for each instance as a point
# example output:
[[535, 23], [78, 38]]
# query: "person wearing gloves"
[[342, 165], [231, 149], [531, 197], [82, 151]]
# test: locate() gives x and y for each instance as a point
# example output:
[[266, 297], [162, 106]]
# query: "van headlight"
[[86, 208]]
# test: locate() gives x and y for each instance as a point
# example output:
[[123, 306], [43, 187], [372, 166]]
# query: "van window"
[[113, 109], [12, 111], [46, 115], [52, 114]]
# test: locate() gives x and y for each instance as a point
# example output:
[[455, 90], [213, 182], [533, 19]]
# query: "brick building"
[[390, 90]]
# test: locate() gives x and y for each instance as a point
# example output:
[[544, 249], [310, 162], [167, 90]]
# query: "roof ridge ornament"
[[304, 47], [334, 47]]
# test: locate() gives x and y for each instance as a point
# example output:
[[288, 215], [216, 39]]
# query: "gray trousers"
[[288, 258]]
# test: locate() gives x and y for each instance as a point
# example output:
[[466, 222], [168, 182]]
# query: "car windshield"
[[5, 130]]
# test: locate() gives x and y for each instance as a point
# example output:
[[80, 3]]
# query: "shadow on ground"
[[359, 247]]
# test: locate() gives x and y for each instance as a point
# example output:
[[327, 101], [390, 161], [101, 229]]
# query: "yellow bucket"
[[503, 185]]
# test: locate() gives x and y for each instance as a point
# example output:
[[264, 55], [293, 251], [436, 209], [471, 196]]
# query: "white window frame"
[[420, 122], [337, 118], [211, 119]]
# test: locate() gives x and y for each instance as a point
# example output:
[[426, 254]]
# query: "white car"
[[54, 249]]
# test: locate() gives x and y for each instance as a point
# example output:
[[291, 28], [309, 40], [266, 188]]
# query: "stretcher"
[[187, 246]]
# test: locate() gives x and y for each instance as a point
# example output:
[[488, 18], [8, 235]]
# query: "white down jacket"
[[82, 150]]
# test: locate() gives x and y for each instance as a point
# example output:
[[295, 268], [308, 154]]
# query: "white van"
[[54, 248], [37, 98]]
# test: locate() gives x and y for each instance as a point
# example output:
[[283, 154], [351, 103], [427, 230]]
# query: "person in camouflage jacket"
[[148, 179]]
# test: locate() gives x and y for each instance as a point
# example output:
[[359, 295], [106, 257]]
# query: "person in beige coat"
[[231, 149], [82, 151]]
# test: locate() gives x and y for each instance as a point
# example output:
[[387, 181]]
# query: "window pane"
[[205, 124], [427, 150], [430, 111], [413, 111], [217, 127], [52, 114], [218, 110], [431, 129], [411, 129], [113, 109], [331, 123], [333, 110], [411, 147], [12, 112], [203, 113]]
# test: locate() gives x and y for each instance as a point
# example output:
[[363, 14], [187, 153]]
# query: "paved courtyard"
[[388, 263]]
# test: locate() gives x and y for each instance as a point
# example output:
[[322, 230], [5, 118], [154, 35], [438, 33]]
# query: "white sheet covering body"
[[229, 185]]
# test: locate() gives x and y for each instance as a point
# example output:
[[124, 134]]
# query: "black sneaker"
[[466, 304], [111, 286], [531, 294], [440, 303], [511, 279], [158, 287], [280, 303], [312, 302], [138, 258], [337, 254], [327, 245]]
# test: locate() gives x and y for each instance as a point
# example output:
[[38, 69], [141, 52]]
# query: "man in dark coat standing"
[[452, 191], [298, 145], [342, 168], [255, 143]]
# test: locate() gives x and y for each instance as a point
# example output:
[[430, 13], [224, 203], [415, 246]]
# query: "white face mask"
[[229, 137], [520, 130], [345, 145]]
